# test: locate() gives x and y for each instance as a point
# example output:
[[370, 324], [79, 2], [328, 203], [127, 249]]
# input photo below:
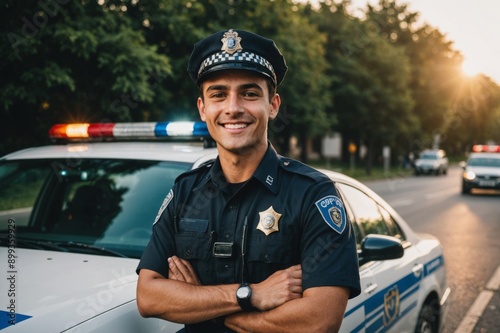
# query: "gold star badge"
[[268, 222], [231, 42]]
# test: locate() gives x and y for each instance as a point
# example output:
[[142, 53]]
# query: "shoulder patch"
[[333, 212], [164, 205]]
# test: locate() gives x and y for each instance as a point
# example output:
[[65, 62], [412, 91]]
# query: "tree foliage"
[[382, 79]]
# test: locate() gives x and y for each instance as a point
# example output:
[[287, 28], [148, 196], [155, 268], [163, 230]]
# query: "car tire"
[[465, 189], [428, 320]]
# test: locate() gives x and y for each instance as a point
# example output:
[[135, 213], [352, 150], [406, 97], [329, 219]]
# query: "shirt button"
[[226, 267], [267, 258], [227, 236], [188, 252]]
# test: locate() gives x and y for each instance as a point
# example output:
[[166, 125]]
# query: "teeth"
[[235, 126]]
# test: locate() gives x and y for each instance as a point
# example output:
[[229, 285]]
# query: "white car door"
[[389, 287], [354, 317]]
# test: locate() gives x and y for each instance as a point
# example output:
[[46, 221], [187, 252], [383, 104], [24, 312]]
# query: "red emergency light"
[[486, 148]]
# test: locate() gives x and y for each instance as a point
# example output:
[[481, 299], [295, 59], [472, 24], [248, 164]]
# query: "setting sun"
[[471, 68]]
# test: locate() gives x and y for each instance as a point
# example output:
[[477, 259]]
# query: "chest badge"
[[268, 222]]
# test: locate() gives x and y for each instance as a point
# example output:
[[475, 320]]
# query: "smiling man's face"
[[237, 107]]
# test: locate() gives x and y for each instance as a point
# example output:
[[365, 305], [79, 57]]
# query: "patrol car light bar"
[[486, 148], [181, 129]]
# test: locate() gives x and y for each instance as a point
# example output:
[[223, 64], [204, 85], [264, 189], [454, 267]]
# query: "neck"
[[239, 167]]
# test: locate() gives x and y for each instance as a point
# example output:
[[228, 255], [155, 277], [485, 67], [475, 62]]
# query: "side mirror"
[[380, 247], [462, 164]]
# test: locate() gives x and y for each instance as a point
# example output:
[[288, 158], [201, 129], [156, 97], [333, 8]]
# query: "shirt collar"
[[266, 172]]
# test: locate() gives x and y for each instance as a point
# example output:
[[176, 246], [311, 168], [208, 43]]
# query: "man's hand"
[[277, 289], [181, 270]]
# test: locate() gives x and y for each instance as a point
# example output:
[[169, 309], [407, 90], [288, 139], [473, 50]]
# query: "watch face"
[[243, 292]]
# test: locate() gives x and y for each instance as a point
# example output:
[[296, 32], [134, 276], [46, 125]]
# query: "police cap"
[[236, 49]]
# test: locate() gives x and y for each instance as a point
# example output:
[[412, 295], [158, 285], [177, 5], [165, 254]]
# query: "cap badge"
[[231, 42], [268, 222]]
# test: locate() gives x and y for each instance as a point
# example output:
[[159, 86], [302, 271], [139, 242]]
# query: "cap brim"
[[235, 66]]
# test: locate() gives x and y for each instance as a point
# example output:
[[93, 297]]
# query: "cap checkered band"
[[221, 57]]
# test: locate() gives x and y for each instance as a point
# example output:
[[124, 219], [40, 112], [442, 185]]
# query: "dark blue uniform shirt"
[[293, 213]]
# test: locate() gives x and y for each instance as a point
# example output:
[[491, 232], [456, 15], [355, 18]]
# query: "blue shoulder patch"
[[333, 212]]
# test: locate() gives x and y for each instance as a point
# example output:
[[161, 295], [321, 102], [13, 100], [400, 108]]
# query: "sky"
[[472, 25]]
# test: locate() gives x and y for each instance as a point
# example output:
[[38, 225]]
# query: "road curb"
[[483, 299]]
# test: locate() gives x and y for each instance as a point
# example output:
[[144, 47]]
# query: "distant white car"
[[432, 162], [482, 169], [76, 216]]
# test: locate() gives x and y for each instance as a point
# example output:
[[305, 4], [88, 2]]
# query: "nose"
[[234, 104]]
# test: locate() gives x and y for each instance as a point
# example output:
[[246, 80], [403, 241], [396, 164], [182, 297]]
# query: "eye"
[[217, 94], [251, 93]]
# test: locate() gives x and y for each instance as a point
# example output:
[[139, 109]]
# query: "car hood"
[[58, 290], [480, 171]]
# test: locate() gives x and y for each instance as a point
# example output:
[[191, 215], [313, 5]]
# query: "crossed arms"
[[283, 305]]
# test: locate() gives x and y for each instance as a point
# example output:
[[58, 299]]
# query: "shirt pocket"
[[273, 249], [193, 239]]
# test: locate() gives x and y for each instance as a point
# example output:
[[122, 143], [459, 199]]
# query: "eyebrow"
[[242, 87]]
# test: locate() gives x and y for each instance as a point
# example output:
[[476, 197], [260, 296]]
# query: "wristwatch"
[[243, 295]]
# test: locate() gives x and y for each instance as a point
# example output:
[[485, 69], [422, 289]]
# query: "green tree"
[[371, 76], [474, 117], [73, 61], [435, 66]]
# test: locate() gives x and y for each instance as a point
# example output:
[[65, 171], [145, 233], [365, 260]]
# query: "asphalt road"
[[468, 227]]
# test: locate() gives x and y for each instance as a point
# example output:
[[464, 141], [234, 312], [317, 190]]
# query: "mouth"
[[235, 126]]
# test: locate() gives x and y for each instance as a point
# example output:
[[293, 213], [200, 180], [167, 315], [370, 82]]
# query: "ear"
[[201, 109], [274, 106]]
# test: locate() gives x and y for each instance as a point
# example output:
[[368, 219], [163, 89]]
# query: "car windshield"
[[98, 206], [484, 161], [428, 156]]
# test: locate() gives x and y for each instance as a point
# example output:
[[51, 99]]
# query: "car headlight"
[[469, 175]]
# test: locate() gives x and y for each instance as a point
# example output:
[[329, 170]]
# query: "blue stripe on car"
[[407, 286]]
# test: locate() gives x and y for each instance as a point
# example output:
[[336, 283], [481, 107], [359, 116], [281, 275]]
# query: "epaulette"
[[297, 167], [202, 168]]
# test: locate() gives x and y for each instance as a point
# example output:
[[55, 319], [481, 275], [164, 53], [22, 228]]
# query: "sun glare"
[[470, 68]]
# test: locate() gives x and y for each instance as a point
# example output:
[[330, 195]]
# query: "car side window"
[[372, 218], [355, 226], [392, 226]]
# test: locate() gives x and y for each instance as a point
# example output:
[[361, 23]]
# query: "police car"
[[76, 216], [482, 169]]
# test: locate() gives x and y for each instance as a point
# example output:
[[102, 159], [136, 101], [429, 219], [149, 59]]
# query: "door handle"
[[370, 288], [417, 269]]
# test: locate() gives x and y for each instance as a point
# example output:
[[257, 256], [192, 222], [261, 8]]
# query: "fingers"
[[279, 288], [181, 270]]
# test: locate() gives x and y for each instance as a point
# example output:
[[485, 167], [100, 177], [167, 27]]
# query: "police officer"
[[254, 242]]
